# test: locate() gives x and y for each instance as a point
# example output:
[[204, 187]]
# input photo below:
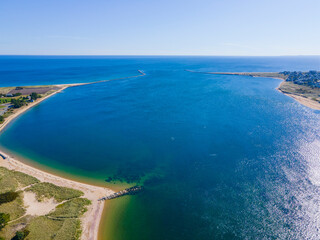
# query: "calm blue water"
[[221, 157]]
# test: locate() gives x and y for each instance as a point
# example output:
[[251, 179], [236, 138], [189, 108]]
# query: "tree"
[[8, 197], [1, 120], [20, 235], [4, 219], [35, 96], [17, 102]]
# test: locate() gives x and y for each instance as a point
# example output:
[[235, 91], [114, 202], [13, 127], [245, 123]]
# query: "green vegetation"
[[1, 119], [45, 228], [5, 100], [71, 209], [49, 190], [35, 96], [17, 102], [8, 197], [71, 229], [4, 219], [10, 180], [15, 208], [20, 235], [61, 224]]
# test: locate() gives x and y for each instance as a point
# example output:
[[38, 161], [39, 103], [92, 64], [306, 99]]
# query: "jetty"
[[128, 191]]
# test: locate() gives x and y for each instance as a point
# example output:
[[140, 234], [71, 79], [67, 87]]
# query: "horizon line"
[[160, 55]]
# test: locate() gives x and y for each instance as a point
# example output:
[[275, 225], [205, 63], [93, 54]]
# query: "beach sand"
[[301, 99], [90, 220]]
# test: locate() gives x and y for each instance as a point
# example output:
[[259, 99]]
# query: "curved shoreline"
[[299, 98], [90, 221]]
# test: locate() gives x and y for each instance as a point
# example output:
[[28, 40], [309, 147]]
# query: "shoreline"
[[92, 218], [90, 221], [305, 101]]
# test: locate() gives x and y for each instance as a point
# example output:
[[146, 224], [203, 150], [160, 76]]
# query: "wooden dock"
[[129, 191]]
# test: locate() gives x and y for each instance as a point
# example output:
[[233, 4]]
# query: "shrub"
[[4, 219], [35, 96], [20, 235], [49, 190], [8, 197]]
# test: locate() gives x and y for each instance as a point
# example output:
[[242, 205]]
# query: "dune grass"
[[14, 208], [49, 190], [45, 228], [11, 180], [62, 224], [71, 209]]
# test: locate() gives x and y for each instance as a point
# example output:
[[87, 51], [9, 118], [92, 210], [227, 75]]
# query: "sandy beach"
[[302, 100], [91, 219]]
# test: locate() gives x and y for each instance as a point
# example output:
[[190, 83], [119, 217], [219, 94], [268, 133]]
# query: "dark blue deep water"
[[221, 157]]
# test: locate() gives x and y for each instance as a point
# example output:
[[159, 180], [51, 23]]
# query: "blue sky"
[[165, 27]]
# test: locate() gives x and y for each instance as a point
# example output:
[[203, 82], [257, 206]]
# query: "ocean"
[[220, 157]]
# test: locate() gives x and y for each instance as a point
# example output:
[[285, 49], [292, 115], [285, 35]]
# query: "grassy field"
[[63, 223]]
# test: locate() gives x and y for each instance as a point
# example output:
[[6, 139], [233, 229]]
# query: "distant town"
[[311, 78]]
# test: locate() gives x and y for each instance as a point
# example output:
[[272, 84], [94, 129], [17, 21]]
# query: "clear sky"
[[162, 27]]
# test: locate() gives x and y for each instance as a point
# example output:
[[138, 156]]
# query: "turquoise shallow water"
[[221, 157]]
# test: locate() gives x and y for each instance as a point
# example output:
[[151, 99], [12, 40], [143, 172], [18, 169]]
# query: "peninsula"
[[304, 87]]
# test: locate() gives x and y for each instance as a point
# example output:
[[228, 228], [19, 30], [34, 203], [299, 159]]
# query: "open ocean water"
[[221, 157]]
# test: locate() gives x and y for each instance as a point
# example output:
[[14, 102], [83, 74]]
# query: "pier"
[[128, 191]]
